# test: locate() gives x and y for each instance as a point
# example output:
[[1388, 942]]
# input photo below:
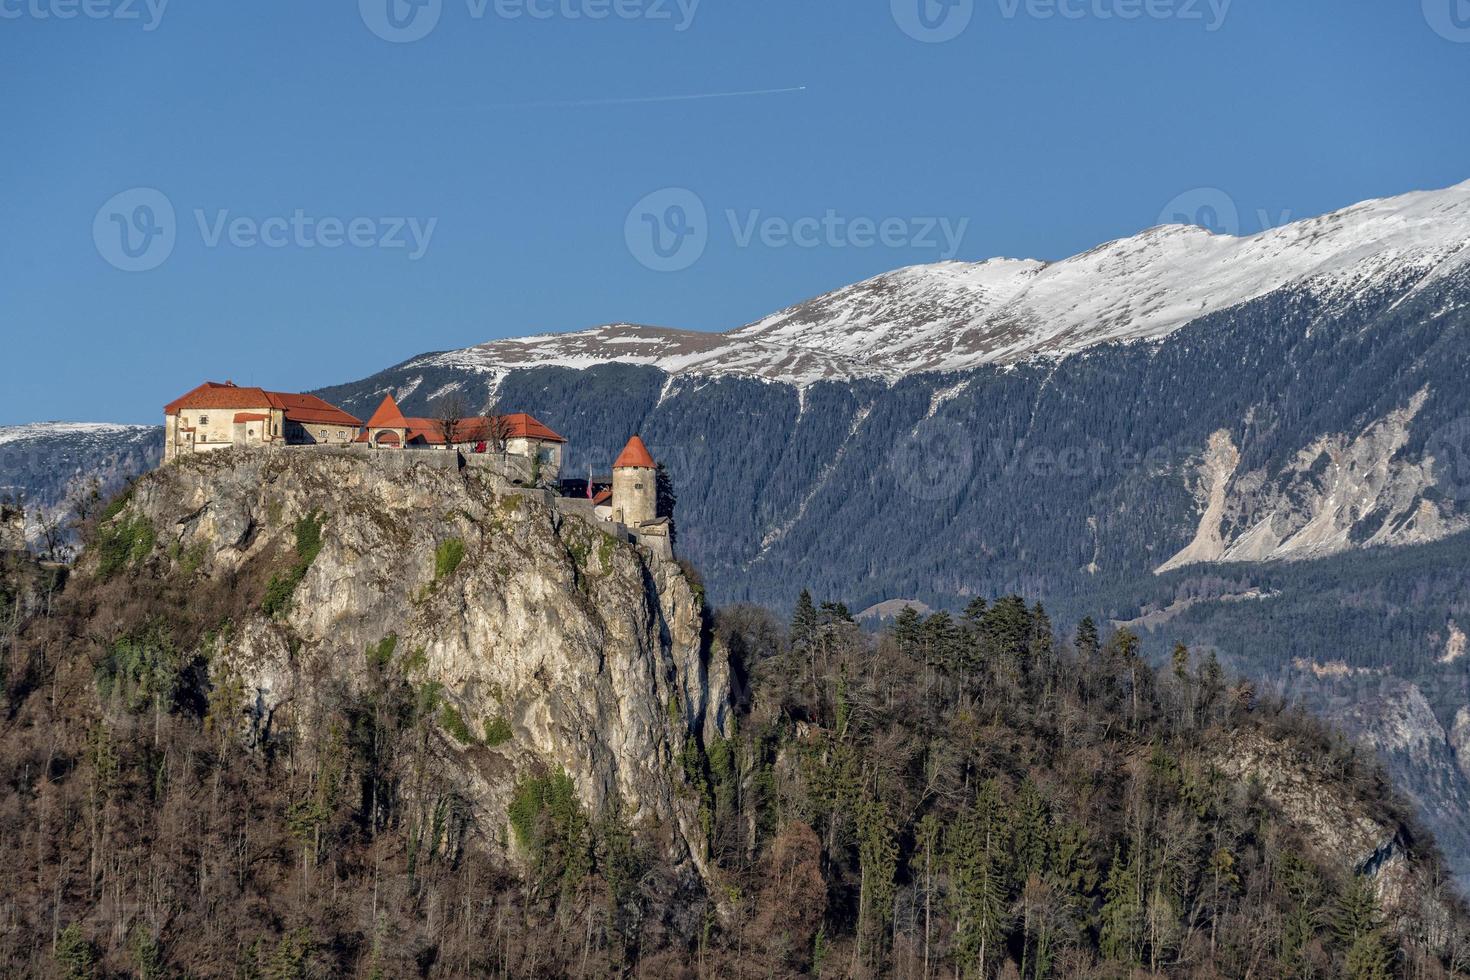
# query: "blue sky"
[[481, 181]]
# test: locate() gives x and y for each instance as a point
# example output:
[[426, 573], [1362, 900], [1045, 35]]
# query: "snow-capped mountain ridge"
[[41, 430], [955, 315]]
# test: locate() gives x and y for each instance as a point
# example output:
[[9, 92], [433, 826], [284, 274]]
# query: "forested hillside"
[[1061, 478], [983, 795]]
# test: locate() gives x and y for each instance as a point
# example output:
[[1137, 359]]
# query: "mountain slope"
[[1322, 421], [41, 464], [956, 316], [315, 715]]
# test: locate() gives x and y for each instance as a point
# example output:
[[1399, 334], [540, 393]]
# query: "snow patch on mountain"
[[52, 430], [955, 316]]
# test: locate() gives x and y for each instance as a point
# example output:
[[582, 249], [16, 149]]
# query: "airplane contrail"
[[643, 100]]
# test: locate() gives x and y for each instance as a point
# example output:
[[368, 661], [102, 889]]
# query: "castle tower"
[[635, 485], [388, 429]]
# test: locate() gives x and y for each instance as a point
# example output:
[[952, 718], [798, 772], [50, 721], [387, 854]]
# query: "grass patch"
[[380, 655], [497, 731], [282, 587], [123, 543], [454, 724], [116, 506], [418, 659], [191, 560], [447, 558]]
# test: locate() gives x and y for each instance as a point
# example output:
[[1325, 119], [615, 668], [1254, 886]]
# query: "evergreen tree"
[[1358, 927], [76, 958], [906, 628], [1006, 635], [975, 612], [1088, 643], [941, 642], [1042, 637], [978, 898], [1369, 958], [1121, 917], [804, 624], [1030, 833], [666, 499], [877, 862]]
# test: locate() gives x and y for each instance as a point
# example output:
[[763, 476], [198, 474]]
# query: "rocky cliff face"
[[12, 529], [1338, 824], [1460, 740], [1339, 492], [552, 646]]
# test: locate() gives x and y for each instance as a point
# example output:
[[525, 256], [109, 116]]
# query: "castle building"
[[221, 416], [523, 435], [635, 485]]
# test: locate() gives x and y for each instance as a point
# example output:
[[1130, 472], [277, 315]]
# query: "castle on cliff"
[[219, 416]]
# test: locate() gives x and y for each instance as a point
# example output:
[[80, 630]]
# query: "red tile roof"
[[304, 409], [470, 430], [523, 426], [212, 394], [602, 497], [311, 410], [635, 455], [388, 416], [250, 417]]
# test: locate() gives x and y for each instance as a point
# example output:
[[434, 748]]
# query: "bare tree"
[[499, 428], [449, 415], [84, 498], [53, 527]]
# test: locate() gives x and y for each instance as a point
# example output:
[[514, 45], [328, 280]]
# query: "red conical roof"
[[635, 455], [388, 416]]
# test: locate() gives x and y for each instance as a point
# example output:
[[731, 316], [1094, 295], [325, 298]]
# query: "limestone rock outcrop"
[[585, 654]]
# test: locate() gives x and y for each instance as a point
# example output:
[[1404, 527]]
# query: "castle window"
[[204, 420], [637, 486]]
